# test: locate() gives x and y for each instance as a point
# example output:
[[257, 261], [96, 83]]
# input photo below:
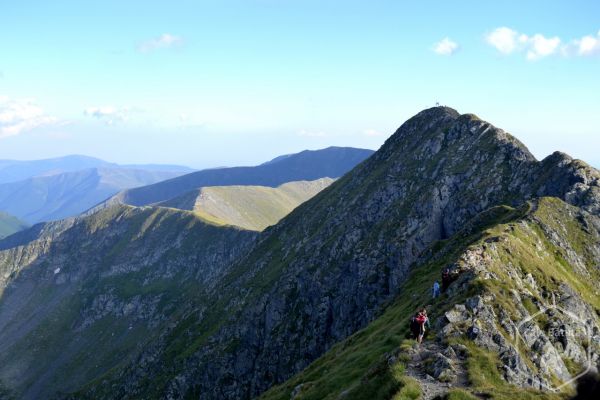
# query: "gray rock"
[[457, 314], [296, 392], [474, 303], [441, 368]]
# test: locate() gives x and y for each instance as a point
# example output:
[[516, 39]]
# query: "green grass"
[[409, 390], [460, 394], [249, 207], [483, 368]]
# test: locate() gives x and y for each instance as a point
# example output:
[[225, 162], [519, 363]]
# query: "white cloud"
[[164, 41], [18, 116], [446, 47], [540, 46], [109, 114], [372, 132], [508, 41], [306, 133], [586, 46], [504, 39]]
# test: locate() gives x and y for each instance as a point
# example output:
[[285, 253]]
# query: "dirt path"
[[432, 388]]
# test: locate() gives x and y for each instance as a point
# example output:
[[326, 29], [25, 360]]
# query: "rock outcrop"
[[539, 309]]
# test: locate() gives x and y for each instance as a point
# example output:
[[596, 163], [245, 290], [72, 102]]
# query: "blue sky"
[[212, 83]]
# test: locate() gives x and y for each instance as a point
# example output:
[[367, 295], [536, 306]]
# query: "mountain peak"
[[430, 117], [445, 131], [438, 111]]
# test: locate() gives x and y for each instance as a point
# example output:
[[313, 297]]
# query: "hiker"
[[414, 326], [436, 289], [446, 279], [421, 319]]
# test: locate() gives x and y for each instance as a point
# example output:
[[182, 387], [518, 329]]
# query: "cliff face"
[[330, 267], [219, 313]]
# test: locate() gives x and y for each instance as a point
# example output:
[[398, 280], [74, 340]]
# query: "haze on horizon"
[[207, 84]]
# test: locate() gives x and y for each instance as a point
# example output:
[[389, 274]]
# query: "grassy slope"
[[358, 366], [249, 207], [10, 225]]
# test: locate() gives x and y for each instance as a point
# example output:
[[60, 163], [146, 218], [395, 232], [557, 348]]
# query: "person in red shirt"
[[422, 319]]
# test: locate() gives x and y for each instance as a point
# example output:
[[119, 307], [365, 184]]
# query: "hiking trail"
[[418, 369]]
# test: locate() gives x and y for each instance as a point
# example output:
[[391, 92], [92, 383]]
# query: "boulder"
[[441, 368], [457, 314]]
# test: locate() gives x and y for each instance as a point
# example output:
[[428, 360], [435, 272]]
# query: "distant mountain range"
[[52, 189], [53, 197], [16, 170], [249, 207], [308, 165]]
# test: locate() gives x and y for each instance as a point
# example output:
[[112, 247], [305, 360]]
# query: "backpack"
[[415, 327]]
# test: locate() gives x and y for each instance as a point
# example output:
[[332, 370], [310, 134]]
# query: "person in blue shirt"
[[436, 289]]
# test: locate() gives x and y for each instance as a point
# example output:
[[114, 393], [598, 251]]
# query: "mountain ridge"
[[331, 162], [336, 271], [248, 207], [81, 303], [325, 272], [373, 362]]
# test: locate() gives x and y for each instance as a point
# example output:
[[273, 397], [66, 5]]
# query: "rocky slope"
[[348, 267], [248, 207], [520, 320], [82, 296], [332, 265]]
